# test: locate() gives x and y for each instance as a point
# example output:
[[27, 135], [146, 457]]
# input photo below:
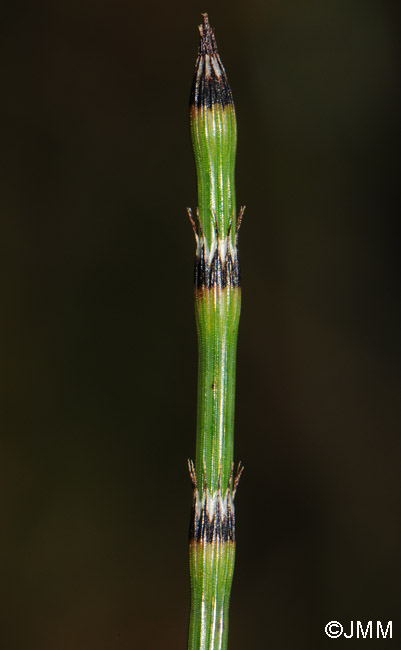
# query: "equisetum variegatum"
[[217, 308]]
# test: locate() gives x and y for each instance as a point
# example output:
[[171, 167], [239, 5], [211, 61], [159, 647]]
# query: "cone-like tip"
[[210, 84]]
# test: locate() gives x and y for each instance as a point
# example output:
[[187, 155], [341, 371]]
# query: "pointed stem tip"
[[207, 39], [210, 84]]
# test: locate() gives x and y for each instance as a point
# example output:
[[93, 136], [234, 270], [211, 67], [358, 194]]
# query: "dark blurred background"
[[98, 343]]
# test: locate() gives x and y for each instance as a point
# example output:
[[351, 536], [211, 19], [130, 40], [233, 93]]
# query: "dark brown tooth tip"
[[217, 273], [210, 84]]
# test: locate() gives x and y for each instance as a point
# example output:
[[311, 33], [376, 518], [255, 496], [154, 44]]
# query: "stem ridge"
[[217, 296]]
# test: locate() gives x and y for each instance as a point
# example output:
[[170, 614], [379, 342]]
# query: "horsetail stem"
[[217, 309]]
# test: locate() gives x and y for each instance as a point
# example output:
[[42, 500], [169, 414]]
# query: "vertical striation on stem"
[[217, 308]]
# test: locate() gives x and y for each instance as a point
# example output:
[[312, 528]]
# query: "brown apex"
[[207, 43], [210, 84]]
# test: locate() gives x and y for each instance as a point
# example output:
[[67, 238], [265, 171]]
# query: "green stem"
[[217, 314], [217, 309]]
